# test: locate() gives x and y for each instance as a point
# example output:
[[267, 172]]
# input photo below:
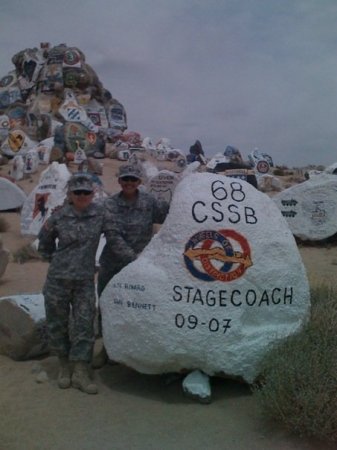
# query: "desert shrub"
[[279, 172], [298, 383], [4, 226], [26, 253]]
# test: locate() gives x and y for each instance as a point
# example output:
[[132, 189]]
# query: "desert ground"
[[131, 410]]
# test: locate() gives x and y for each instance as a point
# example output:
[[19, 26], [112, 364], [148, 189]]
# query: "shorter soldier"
[[134, 213], [69, 240]]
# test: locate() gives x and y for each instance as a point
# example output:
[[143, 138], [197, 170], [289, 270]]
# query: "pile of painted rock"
[[53, 92]]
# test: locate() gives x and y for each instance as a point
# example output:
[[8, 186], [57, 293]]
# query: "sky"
[[247, 73]]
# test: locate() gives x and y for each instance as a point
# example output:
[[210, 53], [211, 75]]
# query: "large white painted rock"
[[310, 208], [220, 282]]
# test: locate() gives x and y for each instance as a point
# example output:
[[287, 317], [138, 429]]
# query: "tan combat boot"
[[81, 379], [64, 376]]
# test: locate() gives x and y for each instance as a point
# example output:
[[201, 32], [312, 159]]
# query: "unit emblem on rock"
[[222, 255]]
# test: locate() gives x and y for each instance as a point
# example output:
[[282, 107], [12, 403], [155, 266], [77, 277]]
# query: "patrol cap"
[[81, 182], [129, 170]]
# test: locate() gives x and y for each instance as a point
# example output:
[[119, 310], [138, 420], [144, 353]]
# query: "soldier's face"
[[129, 186], [81, 199]]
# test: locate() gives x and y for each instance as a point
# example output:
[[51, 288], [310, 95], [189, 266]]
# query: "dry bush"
[[26, 253], [296, 179], [278, 172], [298, 384], [4, 225]]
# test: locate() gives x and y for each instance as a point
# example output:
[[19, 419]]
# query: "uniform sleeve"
[[47, 237], [116, 244]]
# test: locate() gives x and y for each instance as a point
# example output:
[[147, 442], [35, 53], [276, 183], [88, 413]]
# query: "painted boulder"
[[17, 143], [310, 208], [31, 161], [12, 196], [217, 285], [162, 185], [49, 193]]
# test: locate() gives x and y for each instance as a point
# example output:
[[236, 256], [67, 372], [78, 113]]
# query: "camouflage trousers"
[[70, 313]]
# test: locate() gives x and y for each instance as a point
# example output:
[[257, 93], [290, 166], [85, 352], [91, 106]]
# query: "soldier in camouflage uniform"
[[70, 286], [134, 212]]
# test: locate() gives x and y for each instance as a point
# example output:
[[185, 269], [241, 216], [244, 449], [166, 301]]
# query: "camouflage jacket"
[[69, 240], [133, 227]]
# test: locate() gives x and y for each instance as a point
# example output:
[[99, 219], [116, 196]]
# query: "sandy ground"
[[131, 411]]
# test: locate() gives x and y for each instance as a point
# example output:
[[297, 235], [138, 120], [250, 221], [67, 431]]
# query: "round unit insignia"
[[222, 255], [15, 140], [262, 166], [76, 135], [71, 57], [6, 81]]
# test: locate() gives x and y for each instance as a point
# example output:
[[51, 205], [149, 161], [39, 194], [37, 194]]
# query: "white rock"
[[31, 161], [191, 168], [197, 385], [268, 183], [44, 149], [261, 161], [123, 155], [17, 143], [148, 144], [162, 185], [17, 167], [71, 111], [220, 282], [161, 153], [217, 159], [79, 156], [12, 196], [96, 113], [164, 143], [332, 169], [42, 377], [48, 194], [310, 208], [149, 169]]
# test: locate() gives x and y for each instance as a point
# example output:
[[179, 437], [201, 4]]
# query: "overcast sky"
[[247, 73]]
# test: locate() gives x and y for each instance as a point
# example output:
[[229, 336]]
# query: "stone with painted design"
[[310, 208], [17, 143], [49, 193], [219, 284], [162, 185]]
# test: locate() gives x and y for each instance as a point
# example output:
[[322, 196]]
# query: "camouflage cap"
[[80, 182], [129, 170]]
